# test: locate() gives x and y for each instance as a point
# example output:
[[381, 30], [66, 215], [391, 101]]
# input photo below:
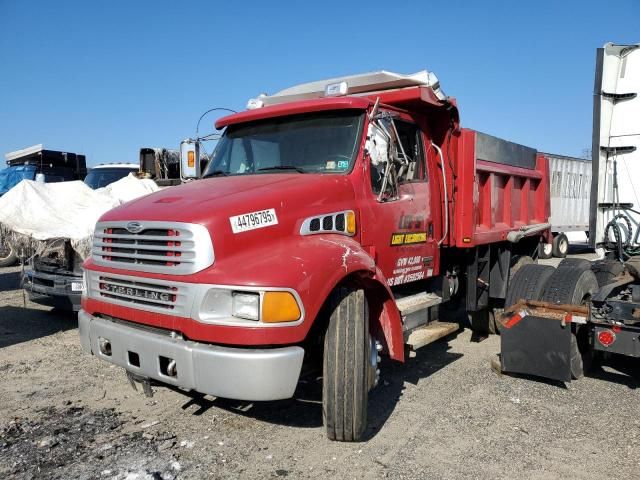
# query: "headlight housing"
[[249, 307]]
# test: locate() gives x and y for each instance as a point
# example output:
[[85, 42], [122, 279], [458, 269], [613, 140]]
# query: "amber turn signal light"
[[351, 222], [279, 307]]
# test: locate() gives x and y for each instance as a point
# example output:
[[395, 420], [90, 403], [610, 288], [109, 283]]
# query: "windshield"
[[319, 142], [11, 176], [101, 177]]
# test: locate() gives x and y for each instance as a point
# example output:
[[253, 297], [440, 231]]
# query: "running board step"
[[417, 302], [427, 334]]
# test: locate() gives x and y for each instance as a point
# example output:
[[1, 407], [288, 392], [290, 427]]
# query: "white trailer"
[[570, 185], [615, 196]]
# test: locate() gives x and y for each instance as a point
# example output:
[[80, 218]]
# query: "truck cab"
[[332, 219]]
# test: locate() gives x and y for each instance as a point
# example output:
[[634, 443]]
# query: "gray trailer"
[[570, 185]]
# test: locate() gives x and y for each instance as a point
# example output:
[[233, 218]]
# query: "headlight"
[[246, 305]]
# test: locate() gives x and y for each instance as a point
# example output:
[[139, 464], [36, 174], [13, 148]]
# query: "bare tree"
[[586, 154]]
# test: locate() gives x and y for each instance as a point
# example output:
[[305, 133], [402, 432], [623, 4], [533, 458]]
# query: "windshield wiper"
[[282, 167], [215, 173]]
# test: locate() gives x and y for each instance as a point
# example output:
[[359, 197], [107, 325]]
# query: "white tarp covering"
[[46, 211]]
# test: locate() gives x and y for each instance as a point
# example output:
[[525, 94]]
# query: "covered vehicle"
[[54, 223], [36, 163]]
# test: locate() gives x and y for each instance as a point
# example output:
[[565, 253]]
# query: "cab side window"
[[411, 139]]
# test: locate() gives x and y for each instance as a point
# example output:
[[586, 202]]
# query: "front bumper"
[[236, 373], [53, 290]]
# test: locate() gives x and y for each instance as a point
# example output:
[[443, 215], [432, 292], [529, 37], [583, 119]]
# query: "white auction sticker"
[[253, 220]]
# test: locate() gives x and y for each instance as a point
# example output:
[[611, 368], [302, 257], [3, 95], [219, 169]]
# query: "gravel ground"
[[444, 414]]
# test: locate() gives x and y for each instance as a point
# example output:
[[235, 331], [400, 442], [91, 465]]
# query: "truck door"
[[398, 228]]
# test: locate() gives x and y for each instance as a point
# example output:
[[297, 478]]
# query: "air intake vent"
[[331, 223]]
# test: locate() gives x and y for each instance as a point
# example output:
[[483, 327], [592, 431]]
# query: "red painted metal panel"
[[293, 108], [491, 199]]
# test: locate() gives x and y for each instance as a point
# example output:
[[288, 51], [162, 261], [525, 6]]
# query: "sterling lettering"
[[135, 292]]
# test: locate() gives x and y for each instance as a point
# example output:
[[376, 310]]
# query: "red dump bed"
[[499, 187]]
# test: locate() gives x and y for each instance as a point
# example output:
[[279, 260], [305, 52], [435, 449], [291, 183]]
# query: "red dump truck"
[[332, 220]]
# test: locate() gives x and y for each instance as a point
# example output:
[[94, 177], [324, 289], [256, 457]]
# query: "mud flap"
[[536, 346]]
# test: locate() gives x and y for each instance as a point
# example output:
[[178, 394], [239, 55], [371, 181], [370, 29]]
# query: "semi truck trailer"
[[570, 188], [560, 321], [331, 221]]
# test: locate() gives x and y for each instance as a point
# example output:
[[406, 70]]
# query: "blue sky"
[[105, 78]]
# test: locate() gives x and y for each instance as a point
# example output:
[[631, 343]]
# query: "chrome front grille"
[[156, 247], [162, 296], [143, 293]]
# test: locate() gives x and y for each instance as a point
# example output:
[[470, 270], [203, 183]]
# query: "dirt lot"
[[445, 414]]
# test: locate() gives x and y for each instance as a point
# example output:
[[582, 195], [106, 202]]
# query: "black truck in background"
[[37, 163]]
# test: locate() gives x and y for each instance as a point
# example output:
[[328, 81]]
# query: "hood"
[[211, 202]]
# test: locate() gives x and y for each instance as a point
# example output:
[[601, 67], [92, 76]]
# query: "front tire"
[[347, 369]]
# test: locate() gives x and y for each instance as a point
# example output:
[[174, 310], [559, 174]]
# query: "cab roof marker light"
[[336, 89], [254, 103]]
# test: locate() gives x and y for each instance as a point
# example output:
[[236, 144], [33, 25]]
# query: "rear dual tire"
[[486, 321], [573, 283]]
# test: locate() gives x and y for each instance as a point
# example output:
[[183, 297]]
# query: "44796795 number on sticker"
[[253, 220]]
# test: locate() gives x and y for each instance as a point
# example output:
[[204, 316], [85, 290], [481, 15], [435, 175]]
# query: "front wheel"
[[349, 366]]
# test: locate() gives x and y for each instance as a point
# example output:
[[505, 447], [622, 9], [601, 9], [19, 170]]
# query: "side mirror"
[[189, 159]]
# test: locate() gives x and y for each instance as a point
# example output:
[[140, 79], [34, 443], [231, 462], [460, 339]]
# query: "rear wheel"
[[579, 263], [545, 251], [486, 321], [349, 368], [574, 286], [528, 283], [8, 255], [606, 270], [560, 245]]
